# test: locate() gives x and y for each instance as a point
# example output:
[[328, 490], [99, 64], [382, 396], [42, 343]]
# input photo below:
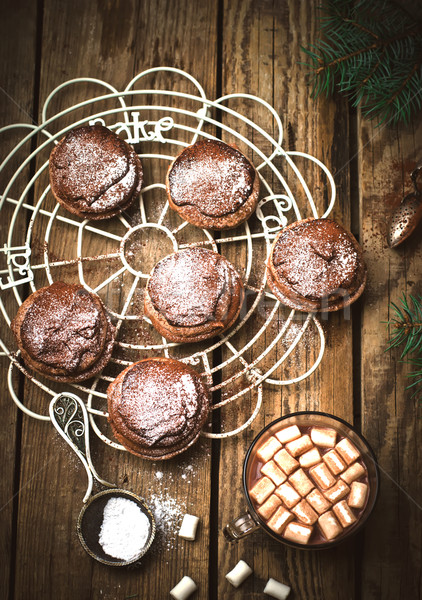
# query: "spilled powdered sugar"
[[168, 507]]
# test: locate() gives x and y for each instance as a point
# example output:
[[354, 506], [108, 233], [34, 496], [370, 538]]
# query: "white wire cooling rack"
[[179, 119]]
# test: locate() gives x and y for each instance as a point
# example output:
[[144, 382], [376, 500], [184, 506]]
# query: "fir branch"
[[360, 26], [406, 325], [340, 59], [417, 374], [372, 52]]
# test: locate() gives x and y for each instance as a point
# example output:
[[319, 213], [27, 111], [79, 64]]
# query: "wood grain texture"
[[391, 415], [261, 48], [118, 40], [249, 46], [17, 76]]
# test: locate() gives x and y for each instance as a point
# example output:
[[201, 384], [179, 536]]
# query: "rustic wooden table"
[[249, 46]]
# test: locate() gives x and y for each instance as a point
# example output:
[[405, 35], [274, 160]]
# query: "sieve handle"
[[70, 417]]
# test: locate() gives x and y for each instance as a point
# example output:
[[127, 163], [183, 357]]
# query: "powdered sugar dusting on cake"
[[88, 161], [188, 288], [64, 327], [94, 171], [157, 402], [212, 176], [316, 259], [161, 406]]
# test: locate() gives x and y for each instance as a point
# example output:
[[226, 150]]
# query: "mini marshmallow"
[[280, 519], [183, 589], [240, 572], [329, 525], [305, 513], [318, 502], [357, 496], [299, 446], [269, 507], [277, 590], [337, 492], [297, 532], [322, 476], [286, 462], [324, 436], [268, 449], [288, 434], [310, 458], [262, 489], [354, 472], [334, 462], [188, 528], [288, 494], [344, 514], [271, 470], [301, 482], [348, 452]]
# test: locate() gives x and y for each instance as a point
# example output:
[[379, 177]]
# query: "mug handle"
[[240, 527]]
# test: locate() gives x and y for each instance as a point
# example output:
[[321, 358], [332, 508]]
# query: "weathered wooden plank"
[[391, 416], [119, 39], [17, 76], [261, 50], [260, 54]]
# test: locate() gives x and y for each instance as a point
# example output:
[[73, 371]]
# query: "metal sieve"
[[70, 417]]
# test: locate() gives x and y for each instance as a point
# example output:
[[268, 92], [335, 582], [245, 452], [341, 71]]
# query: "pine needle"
[[406, 330], [372, 53]]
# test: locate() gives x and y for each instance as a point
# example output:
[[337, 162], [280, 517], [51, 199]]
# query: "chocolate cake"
[[64, 332], [93, 173], [212, 185], [193, 295], [316, 265], [157, 407]]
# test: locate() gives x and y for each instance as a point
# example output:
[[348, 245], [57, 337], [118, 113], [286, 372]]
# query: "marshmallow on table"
[[344, 514], [280, 519], [301, 482], [299, 446], [277, 590], [305, 513], [288, 494], [322, 476], [353, 472], [348, 452], [310, 458], [297, 532], [318, 502], [268, 449], [269, 507], [288, 434], [286, 462], [334, 462], [337, 492], [271, 470], [357, 496], [240, 572], [263, 488], [329, 525], [324, 436], [188, 527], [183, 589]]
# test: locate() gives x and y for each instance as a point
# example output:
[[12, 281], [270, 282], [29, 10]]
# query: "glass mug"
[[251, 521]]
